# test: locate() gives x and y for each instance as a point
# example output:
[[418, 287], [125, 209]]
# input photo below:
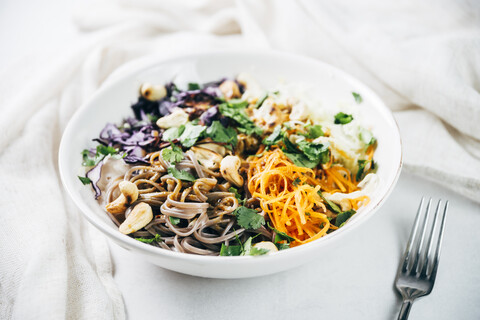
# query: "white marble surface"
[[354, 281]]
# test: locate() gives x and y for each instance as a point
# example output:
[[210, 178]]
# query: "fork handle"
[[405, 310]]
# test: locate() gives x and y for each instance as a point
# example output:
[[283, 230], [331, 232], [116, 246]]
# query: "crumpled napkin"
[[422, 58]]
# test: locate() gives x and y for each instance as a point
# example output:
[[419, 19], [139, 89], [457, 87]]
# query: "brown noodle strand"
[[204, 206]]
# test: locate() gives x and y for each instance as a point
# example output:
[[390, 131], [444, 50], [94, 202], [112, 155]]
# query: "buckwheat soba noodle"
[[227, 168]]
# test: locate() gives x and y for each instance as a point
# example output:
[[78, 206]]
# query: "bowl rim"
[[117, 77]]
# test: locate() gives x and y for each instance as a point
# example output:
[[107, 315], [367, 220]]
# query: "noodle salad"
[[228, 168]]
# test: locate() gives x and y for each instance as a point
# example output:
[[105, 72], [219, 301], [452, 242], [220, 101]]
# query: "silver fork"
[[418, 269]]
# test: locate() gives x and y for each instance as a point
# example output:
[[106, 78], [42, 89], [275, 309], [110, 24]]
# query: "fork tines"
[[417, 272], [418, 255]]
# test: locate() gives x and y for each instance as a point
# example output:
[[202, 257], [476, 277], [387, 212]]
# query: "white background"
[[352, 281]]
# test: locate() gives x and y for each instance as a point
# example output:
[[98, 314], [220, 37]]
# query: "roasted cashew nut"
[[246, 143], [207, 158], [215, 147], [175, 119], [229, 170], [140, 216], [268, 245], [153, 92], [129, 194], [345, 204], [229, 89]]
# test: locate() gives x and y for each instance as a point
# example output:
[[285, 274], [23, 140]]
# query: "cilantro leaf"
[[261, 101], [282, 240], [193, 86], [372, 141], [358, 97], [235, 192], [152, 118], [282, 246], [173, 154], [343, 118], [362, 164], [235, 110], [275, 137], [315, 131], [174, 220], [330, 204], [238, 103], [343, 217], [315, 151], [289, 146], [248, 218], [296, 181], [237, 195], [230, 250], [258, 251], [308, 154], [191, 134], [300, 160], [105, 150], [262, 153], [367, 137], [90, 159], [249, 250], [250, 128], [181, 174], [219, 133], [85, 180], [145, 240], [282, 236], [247, 247], [157, 238], [173, 133]]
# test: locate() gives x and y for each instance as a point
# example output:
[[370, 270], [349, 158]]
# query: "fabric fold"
[[422, 59]]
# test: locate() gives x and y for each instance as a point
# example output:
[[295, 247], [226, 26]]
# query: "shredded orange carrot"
[[342, 178], [343, 154], [288, 194], [359, 202], [370, 151]]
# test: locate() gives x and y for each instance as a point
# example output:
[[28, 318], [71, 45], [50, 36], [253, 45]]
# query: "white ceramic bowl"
[[112, 103]]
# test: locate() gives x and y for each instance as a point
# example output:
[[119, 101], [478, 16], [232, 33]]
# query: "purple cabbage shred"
[[138, 135], [208, 116], [94, 175], [209, 95]]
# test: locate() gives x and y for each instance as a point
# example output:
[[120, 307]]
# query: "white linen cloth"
[[422, 58]]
